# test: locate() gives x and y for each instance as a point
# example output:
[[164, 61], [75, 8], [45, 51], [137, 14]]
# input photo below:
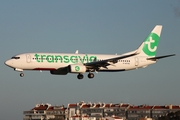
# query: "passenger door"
[[136, 61], [28, 58]]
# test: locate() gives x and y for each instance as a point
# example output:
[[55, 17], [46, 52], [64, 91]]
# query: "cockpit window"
[[15, 58]]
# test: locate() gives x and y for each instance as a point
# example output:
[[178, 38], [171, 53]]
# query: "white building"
[[45, 112]]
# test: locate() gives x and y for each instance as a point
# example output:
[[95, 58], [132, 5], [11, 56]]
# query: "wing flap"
[[104, 63]]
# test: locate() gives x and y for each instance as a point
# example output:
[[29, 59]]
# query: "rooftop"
[[47, 107], [89, 105]]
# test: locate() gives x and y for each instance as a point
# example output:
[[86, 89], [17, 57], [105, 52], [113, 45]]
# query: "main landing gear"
[[22, 74], [81, 76], [90, 75]]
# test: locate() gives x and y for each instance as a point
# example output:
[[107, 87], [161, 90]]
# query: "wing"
[[104, 63]]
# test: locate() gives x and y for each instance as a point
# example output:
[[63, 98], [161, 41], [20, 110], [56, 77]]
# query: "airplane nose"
[[8, 63]]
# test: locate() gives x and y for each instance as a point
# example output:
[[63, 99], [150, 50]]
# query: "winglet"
[[77, 52]]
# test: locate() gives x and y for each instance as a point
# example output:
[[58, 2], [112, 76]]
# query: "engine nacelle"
[[75, 68], [61, 71]]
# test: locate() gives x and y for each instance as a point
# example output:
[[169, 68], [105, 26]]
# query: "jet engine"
[[61, 71], [75, 68]]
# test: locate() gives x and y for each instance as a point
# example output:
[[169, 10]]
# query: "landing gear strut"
[[90, 75], [80, 76], [22, 74]]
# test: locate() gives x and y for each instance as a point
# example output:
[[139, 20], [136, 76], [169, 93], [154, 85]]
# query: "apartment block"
[[99, 111], [46, 112]]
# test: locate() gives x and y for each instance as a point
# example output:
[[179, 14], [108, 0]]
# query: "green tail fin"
[[150, 44]]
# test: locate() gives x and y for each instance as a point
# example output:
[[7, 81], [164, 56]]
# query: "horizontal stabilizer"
[[160, 57]]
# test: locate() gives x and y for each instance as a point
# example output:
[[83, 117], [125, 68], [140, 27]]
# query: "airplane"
[[64, 63]]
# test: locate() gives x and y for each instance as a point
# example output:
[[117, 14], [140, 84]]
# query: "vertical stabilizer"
[[150, 44]]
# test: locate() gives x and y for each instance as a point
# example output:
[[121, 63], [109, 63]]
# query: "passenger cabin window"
[[15, 58]]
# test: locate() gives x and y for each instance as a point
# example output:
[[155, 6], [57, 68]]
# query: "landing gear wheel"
[[80, 76], [22, 74], [90, 75]]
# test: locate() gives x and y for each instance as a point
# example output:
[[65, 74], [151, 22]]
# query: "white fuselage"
[[54, 61]]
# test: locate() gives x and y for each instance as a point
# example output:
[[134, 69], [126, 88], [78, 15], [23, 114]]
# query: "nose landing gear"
[[22, 74]]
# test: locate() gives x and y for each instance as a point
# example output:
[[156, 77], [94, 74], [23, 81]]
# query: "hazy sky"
[[94, 26]]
